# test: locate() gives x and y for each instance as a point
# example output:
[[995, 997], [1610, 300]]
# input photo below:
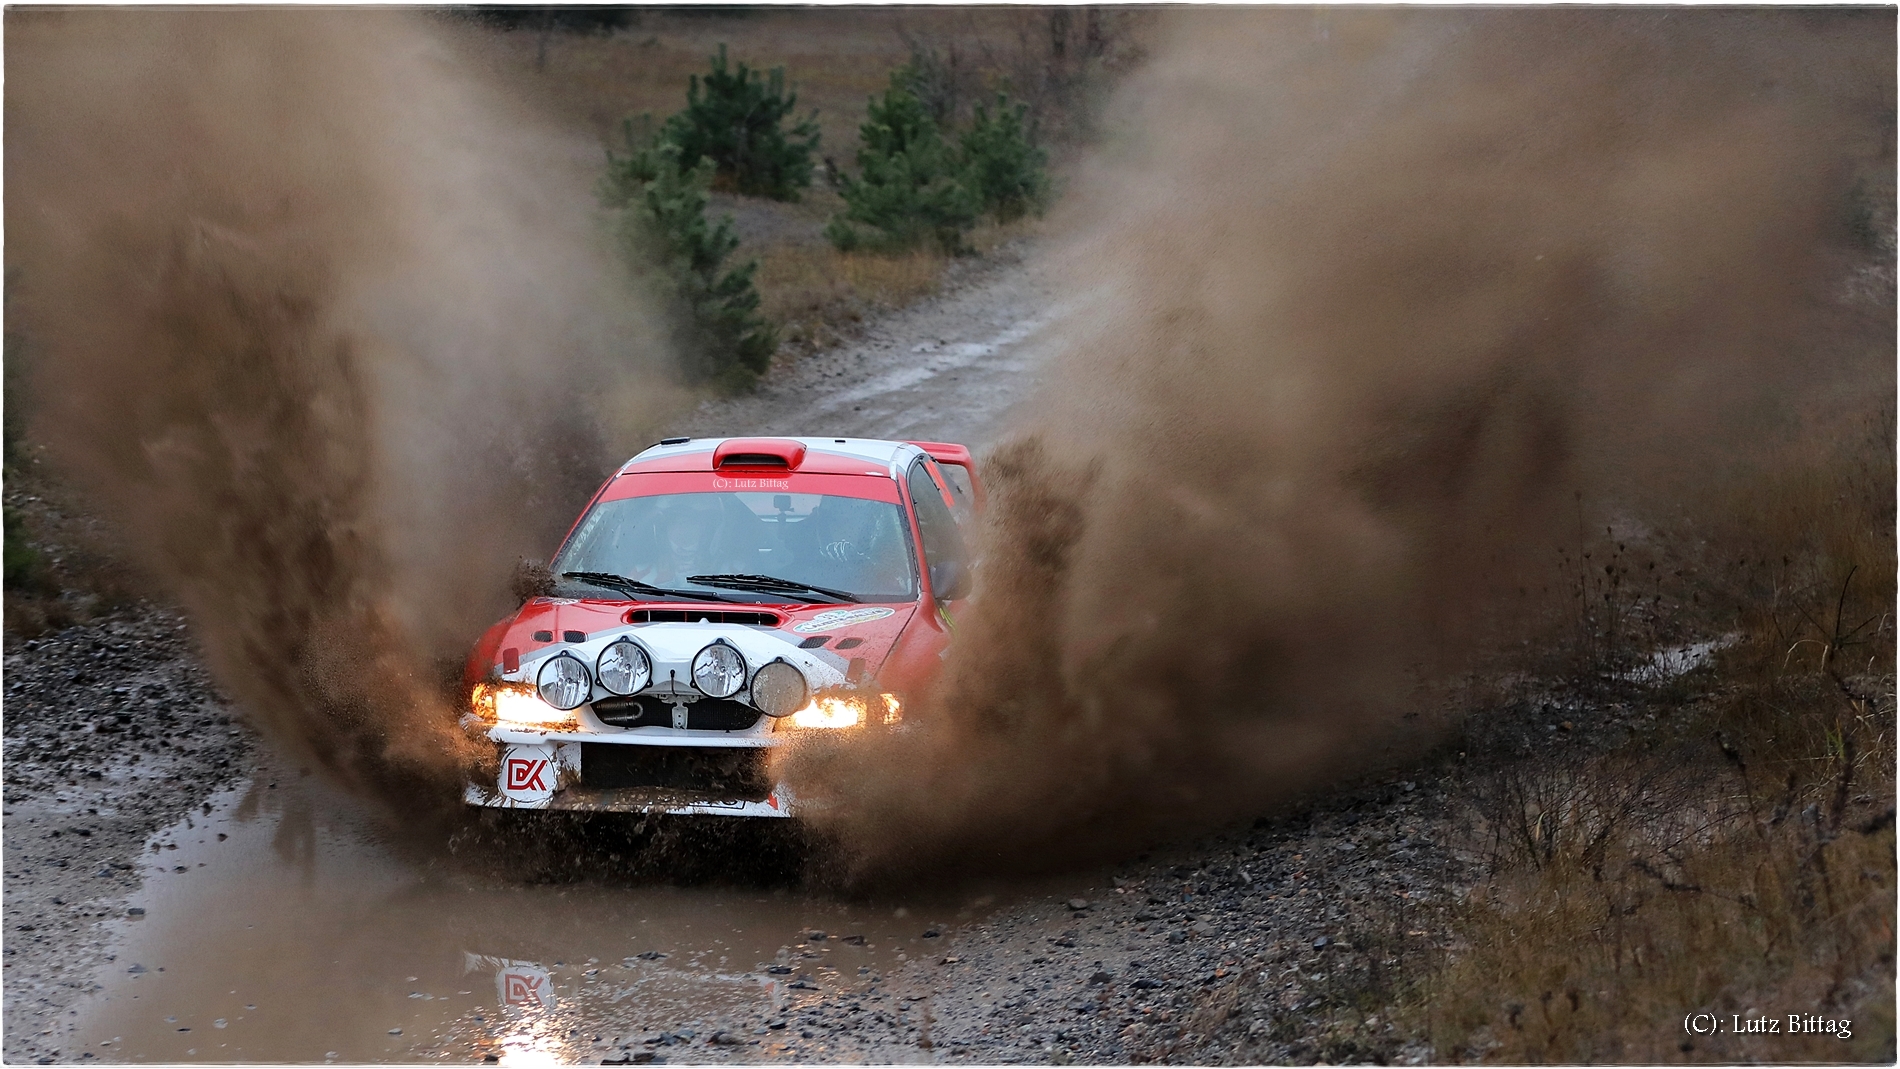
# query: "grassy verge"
[[818, 296], [1737, 862]]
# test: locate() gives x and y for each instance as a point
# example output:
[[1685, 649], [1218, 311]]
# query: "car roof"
[[823, 456]]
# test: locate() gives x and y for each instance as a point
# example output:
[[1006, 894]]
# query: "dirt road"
[[175, 892], [948, 369]]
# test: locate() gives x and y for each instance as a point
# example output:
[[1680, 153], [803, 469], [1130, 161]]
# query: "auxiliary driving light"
[[718, 670], [623, 667], [779, 690], [563, 681]]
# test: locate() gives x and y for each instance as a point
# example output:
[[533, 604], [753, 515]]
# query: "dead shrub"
[[1749, 873]]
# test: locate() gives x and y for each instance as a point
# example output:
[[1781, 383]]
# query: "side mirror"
[[531, 579], [949, 580]]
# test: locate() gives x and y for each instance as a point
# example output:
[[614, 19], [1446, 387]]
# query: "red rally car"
[[717, 597]]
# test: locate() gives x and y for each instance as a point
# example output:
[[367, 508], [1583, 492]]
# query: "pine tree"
[[1004, 169], [663, 225], [736, 118], [910, 187]]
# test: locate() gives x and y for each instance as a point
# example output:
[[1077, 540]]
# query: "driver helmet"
[[689, 528]]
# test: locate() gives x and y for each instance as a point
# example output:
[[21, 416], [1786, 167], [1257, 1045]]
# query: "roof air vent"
[[781, 453]]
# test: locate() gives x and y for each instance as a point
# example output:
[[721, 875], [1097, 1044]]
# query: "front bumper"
[[683, 773]]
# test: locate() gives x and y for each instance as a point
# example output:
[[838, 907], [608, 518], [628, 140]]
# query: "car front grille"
[[720, 714], [725, 772], [634, 712], [706, 714]]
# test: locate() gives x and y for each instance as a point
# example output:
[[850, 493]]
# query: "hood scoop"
[[711, 616]]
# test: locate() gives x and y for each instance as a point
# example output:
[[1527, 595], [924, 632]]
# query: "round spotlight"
[[779, 690], [718, 670], [563, 681], [623, 667]]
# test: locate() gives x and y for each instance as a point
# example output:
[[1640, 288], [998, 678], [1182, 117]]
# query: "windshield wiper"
[[766, 584], [635, 588]]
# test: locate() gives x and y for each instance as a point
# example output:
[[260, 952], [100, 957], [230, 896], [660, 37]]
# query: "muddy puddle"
[[282, 923]]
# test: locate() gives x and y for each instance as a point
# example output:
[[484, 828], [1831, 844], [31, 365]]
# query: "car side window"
[[943, 539], [962, 494]]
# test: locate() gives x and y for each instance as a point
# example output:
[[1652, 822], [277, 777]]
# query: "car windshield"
[[846, 545]]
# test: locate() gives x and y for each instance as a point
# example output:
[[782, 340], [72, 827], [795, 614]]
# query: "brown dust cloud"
[[323, 322], [1372, 309]]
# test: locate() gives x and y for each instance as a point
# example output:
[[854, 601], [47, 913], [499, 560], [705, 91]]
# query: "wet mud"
[[112, 731], [289, 923]]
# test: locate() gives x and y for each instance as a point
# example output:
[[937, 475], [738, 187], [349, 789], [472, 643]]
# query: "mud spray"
[[1374, 307], [325, 324]]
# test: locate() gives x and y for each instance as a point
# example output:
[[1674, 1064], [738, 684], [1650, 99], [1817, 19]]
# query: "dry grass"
[[819, 296], [1814, 575], [1650, 893]]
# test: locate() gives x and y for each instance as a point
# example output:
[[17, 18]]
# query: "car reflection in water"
[[532, 1030]]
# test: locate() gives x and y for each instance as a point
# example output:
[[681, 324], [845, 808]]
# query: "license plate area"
[[727, 772]]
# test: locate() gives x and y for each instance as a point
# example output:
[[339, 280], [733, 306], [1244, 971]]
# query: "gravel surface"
[[1150, 961], [112, 731]]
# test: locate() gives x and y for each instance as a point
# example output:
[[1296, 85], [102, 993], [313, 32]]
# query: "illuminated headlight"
[[623, 667], [830, 711], [845, 710], [487, 698], [718, 671], [779, 689], [563, 681], [516, 705]]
